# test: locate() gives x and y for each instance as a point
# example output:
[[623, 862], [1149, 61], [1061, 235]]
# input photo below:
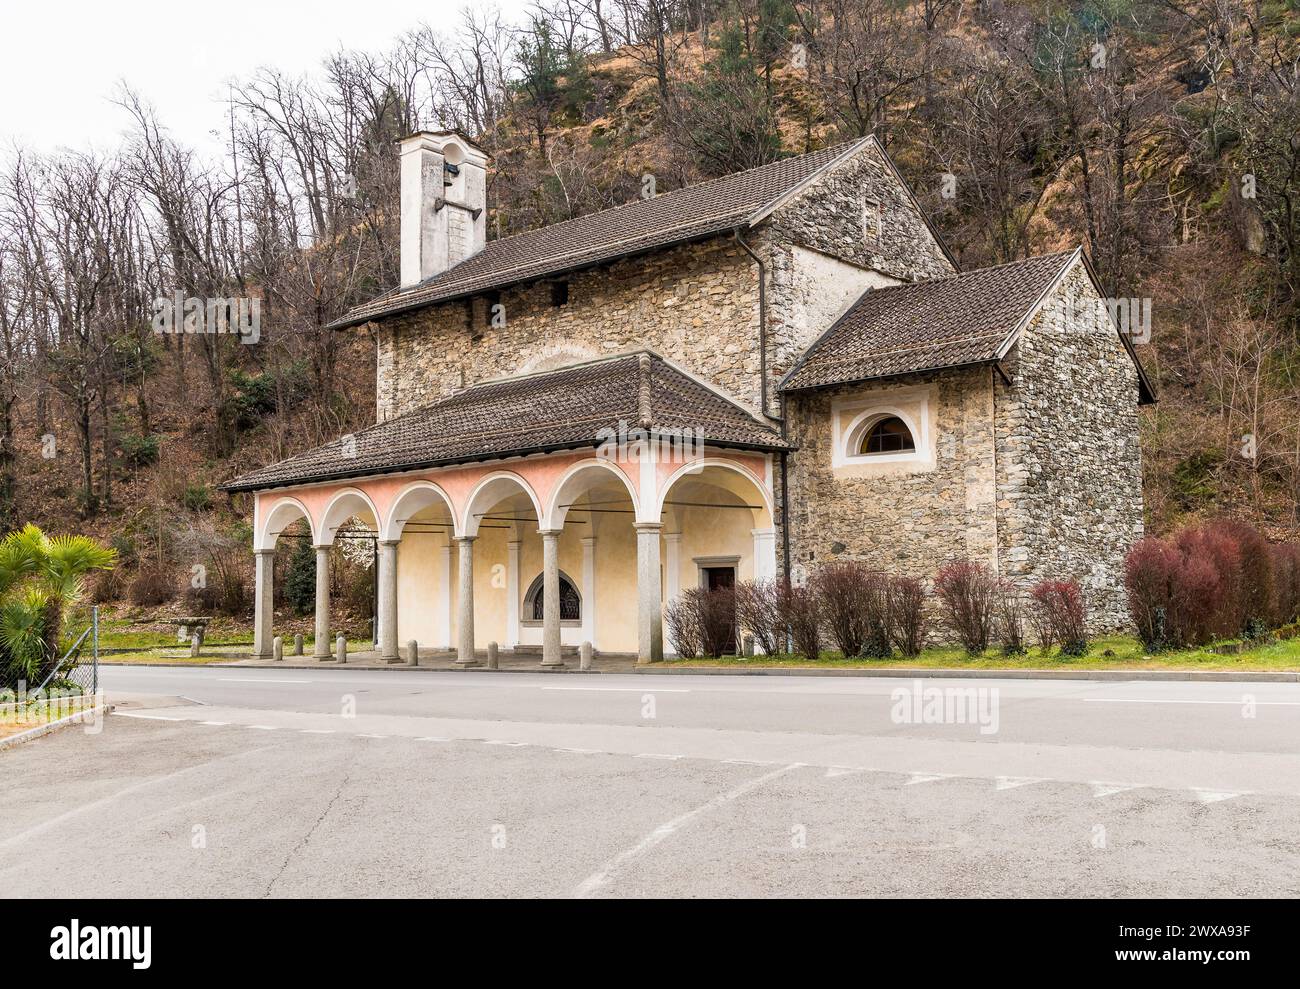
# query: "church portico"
[[537, 555]]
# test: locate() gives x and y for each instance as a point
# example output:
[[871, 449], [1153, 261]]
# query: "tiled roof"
[[924, 326], [670, 218], [551, 410]]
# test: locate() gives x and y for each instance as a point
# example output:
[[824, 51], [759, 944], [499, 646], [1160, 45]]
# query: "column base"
[[559, 665]]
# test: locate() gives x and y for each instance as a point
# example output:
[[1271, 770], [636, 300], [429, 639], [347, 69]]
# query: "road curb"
[[1228, 676], [1211, 676], [40, 730]]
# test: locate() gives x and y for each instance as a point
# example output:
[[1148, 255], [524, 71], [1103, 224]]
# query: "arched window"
[[889, 435], [570, 600]]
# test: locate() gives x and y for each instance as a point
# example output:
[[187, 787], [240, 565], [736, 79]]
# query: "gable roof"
[[671, 218], [964, 319], [551, 410]]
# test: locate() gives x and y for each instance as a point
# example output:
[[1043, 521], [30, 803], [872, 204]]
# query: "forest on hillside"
[[1164, 136]]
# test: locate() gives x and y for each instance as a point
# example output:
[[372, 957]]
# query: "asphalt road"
[[221, 782]]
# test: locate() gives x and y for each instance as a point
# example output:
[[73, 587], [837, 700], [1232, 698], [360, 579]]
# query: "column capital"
[[389, 542], [672, 537], [320, 546], [648, 526], [553, 533], [589, 540], [464, 539], [264, 552]]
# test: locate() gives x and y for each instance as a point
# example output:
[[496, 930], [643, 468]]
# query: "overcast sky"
[[61, 60]]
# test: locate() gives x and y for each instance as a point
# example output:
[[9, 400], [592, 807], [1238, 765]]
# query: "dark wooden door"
[[724, 579]]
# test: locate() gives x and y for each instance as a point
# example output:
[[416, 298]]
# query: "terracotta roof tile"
[[561, 409], [675, 217], [924, 326]]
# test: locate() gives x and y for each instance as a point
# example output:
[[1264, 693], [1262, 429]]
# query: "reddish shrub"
[[907, 621], [801, 609], [758, 613], [1010, 619], [702, 622], [1256, 577], [1062, 612], [1286, 583], [967, 592], [1219, 610], [855, 608]]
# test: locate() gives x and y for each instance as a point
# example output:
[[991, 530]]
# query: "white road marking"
[[1108, 789], [316, 731], [501, 741], [656, 755], [628, 690], [916, 778], [432, 738], [1144, 700], [605, 873], [362, 734], [263, 727], [1212, 796], [1011, 782], [256, 680], [145, 717], [833, 771], [215, 724]]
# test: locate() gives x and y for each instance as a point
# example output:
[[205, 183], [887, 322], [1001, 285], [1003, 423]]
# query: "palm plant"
[[40, 577]]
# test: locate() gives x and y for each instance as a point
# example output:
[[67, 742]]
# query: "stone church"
[[739, 379]]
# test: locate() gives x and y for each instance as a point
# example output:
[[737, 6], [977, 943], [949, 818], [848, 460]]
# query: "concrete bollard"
[[195, 641], [413, 653], [297, 644], [277, 648], [493, 659], [584, 656], [341, 649]]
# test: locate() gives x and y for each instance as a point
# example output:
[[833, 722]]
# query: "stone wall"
[[903, 522], [696, 304], [1058, 495], [1069, 460], [828, 217]]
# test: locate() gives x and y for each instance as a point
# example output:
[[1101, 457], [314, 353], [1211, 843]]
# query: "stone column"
[[764, 553], [588, 589], [465, 629], [445, 616], [263, 603], [388, 600], [321, 648], [512, 593], [649, 604], [551, 598], [672, 576]]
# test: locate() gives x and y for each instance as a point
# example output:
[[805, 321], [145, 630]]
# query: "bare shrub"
[[843, 589], [801, 607], [907, 619], [1062, 610], [1011, 619], [682, 617], [151, 587], [968, 592], [1286, 583], [758, 613], [702, 622], [1175, 594]]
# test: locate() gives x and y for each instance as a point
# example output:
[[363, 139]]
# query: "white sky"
[[61, 60]]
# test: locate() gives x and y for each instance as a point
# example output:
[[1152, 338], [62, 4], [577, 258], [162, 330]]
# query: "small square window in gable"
[[871, 221]]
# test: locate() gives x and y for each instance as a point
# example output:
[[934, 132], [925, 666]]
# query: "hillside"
[[1162, 137]]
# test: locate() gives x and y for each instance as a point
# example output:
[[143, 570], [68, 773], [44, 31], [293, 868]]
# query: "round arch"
[[415, 497], [864, 421], [577, 480], [491, 490], [341, 507], [697, 467], [279, 516]]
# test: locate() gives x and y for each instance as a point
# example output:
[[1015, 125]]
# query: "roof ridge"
[[671, 192]]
